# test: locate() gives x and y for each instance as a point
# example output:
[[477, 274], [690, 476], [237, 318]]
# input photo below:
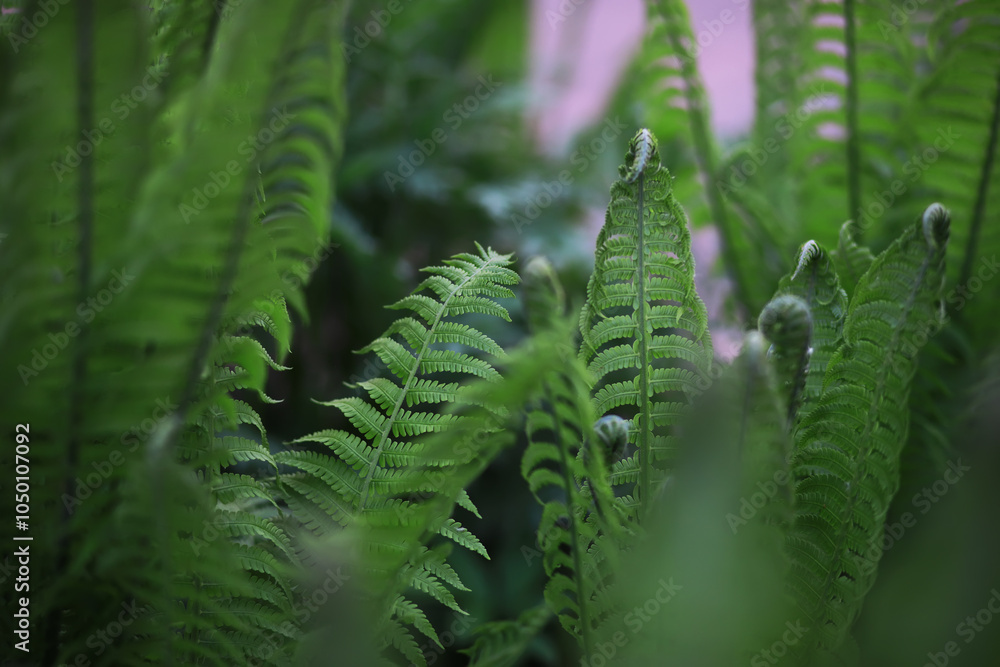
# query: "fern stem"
[[582, 595], [210, 34], [85, 223], [645, 434], [705, 154], [853, 147], [985, 174], [384, 437]]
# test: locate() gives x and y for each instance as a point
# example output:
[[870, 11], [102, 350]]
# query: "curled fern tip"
[[936, 224]]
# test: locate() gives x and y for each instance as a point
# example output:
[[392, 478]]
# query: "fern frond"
[[764, 225], [645, 331], [815, 282], [407, 348], [787, 323], [678, 90], [851, 259], [148, 363], [365, 475], [847, 469], [234, 487], [565, 470], [954, 116], [503, 643]]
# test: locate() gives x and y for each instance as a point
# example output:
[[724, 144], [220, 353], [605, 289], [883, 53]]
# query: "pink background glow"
[[580, 51], [580, 48]]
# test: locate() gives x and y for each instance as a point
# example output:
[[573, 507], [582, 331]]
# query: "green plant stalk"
[[982, 192], [583, 596], [705, 157], [646, 425], [85, 202], [853, 148], [384, 438]]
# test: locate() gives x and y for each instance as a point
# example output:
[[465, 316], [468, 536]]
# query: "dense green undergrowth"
[[168, 177]]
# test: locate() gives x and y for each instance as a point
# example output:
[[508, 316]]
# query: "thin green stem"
[[704, 149], [853, 145], [85, 224], [572, 497], [985, 173], [645, 425]]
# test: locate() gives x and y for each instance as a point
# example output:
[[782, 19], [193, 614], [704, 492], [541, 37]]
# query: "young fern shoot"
[[645, 330], [847, 462]]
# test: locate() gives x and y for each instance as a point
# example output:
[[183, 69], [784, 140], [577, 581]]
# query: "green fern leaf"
[[364, 475], [645, 330], [716, 531], [233, 487], [409, 613], [815, 282], [564, 467], [848, 467], [503, 643], [851, 259]]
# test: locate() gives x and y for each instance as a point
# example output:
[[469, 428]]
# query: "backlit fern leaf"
[[645, 331], [429, 354]]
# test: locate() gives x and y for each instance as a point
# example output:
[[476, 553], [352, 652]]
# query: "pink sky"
[[580, 48]]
